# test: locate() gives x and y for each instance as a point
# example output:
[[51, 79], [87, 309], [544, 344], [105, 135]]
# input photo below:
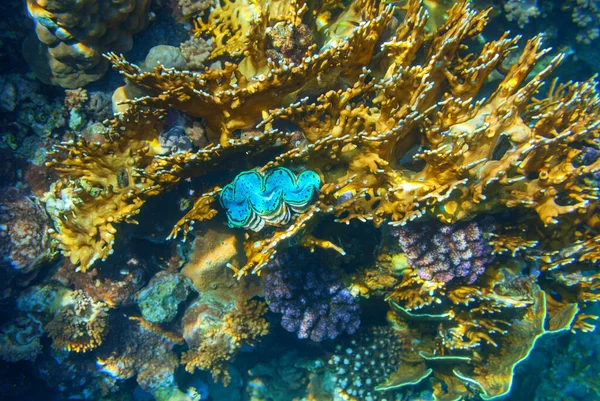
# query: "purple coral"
[[311, 298], [443, 252]]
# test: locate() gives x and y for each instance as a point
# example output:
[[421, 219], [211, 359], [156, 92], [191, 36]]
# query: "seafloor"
[[307, 200]]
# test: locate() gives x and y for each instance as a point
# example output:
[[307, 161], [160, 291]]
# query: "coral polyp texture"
[[374, 165], [253, 200], [312, 300], [442, 252], [359, 365]]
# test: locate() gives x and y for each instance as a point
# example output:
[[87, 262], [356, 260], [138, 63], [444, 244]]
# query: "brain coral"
[[253, 200]]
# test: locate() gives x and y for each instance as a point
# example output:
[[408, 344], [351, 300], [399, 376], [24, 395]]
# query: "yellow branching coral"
[[104, 184], [229, 100], [107, 183], [565, 258], [507, 151], [233, 26], [481, 334]]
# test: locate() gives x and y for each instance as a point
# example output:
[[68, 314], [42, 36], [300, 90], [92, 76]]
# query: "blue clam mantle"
[[253, 200]]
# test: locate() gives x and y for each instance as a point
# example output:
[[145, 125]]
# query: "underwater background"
[[304, 200]]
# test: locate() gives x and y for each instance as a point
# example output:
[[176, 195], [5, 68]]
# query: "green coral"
[[159, 300]]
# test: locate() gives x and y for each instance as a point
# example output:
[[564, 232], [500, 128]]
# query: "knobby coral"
[[443, 252], [359, 366], [312, 300], [80, 325], [72, 35]]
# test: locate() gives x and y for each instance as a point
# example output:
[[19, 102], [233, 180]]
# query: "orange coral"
[[245, 323]]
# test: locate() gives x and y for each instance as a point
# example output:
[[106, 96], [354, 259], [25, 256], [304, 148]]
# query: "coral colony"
[[360, 200], [313, 302], [442, 252]]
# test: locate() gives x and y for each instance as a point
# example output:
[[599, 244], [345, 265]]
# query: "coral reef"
[[358, 368], [137, 348], [214, 334], [312, 300], [85, 109], [72, 35], [31, 120], [521, 11], [294, 374], [572, 369], [443, 252], [586, 14], [357, 151], [77, 378], [195, 51], [451, 186], [113, 196], [80, 325], [20, 340], [184, 9]]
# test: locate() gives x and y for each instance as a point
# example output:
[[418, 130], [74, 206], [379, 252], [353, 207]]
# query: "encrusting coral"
[[24, 241], [443, 252], [392, 118], [158, 301]]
